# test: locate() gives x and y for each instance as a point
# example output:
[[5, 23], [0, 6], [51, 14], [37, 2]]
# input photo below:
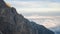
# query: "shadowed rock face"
[[13, 23], [2, 4]]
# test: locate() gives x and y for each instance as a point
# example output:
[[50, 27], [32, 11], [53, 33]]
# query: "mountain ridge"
[[13, 23]]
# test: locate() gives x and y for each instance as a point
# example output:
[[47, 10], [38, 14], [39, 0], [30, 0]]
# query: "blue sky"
[[37, 6]]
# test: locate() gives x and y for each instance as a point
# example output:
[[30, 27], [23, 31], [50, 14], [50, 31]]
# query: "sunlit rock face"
[[13, 23]]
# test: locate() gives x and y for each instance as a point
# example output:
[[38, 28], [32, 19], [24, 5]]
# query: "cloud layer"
[[36, 6], [47, 21]]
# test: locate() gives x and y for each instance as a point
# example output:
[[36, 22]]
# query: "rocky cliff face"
[[13, 23]]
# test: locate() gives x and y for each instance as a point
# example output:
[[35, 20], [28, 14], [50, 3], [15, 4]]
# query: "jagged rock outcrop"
[[13, 23]]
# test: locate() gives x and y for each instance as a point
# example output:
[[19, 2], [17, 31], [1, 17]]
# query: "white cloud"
[[38, 9], [37, 17], [47, 21], [32, 4], [35, 6], [50, 24]]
